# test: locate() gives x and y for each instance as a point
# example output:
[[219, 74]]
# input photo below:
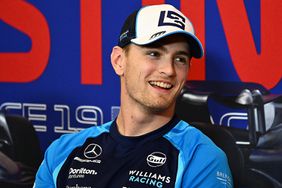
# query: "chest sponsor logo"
[[150, 179], [156, 159], [92, 151], [87, 160], [77, 173]]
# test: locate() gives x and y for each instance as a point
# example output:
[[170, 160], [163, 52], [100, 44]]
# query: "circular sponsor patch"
[[156, 159]]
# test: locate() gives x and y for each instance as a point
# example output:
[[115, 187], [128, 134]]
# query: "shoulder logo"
[[156, 159], [92, 151]]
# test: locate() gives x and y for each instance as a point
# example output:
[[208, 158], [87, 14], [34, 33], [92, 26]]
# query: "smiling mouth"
[[162, 85]]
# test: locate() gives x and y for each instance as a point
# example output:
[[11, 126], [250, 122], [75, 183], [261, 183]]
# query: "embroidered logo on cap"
[[171, 18], [157, 34]]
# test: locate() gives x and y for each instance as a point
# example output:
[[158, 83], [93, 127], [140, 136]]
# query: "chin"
[[161, 107]]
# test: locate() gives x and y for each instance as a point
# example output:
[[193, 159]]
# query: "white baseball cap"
[[152, 23]]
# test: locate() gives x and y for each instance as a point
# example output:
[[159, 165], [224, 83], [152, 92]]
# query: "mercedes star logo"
[[92, 151]]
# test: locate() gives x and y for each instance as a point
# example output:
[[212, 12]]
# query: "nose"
[[167, 68]]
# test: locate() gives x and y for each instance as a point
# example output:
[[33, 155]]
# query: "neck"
[[135, 122]]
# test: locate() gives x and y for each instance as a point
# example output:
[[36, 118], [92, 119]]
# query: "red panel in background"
[[91, 42], [152, 2], [195, 11], [264, 68], [25, 66]]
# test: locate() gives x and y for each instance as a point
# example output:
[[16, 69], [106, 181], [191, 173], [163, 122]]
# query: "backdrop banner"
[[55, 55]]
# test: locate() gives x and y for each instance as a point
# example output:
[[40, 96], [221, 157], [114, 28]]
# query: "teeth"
[[161, 84]]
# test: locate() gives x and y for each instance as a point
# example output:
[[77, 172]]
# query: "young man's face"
[[154, 75]]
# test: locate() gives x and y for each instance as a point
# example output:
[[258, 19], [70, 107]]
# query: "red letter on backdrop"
[[152, 2], [25, 66], [91, 42], [195, 11], [266, 67]]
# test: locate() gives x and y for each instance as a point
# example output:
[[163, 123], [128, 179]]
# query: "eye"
[[181, 59], [153, 54]]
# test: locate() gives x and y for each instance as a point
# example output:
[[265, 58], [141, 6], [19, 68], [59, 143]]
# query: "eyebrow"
[[161, 47], [184, 53]]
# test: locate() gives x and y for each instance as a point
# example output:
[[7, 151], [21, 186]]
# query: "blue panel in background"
[[12, 40], [218, 63]]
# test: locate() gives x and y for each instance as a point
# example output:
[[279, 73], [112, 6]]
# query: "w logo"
[[171, 18]]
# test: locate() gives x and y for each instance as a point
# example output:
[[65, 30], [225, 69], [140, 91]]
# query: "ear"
[[117, 60]]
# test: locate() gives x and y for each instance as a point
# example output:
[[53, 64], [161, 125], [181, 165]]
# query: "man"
[[146, 146]]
